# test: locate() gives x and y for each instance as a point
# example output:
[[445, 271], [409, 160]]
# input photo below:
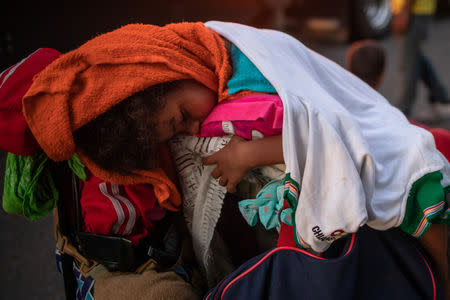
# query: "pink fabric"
[[125, 210], [262, 112]]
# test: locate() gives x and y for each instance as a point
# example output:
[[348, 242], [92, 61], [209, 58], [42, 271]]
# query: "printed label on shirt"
[[321, 236], [338, 233]]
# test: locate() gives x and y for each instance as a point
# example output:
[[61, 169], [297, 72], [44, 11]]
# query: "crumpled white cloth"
[[202, 195], [354, 155]]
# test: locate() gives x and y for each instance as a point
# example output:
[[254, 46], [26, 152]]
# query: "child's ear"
[[379, 81]]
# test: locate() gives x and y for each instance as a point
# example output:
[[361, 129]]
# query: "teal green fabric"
[[29, 186], [268, 206], [246, 76], [77, 167]]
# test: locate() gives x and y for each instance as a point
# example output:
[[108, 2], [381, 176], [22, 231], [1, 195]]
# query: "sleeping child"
[[350, 158]]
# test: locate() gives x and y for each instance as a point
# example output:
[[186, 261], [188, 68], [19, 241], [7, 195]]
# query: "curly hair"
[[124, 138]]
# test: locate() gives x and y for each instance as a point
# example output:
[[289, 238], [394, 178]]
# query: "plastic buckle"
[[148, 265], [65, 247]]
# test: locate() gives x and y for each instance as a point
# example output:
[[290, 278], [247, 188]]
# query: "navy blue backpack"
[[367, 265]]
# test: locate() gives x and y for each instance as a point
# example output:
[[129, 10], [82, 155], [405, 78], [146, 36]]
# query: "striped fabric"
[[428, 213], [125, 210], [427, 204], [291, 187]]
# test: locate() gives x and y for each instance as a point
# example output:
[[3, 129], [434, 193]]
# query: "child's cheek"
[[201, 109], [206, 109]]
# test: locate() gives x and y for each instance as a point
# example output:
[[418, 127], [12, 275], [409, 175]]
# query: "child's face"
[[185, 109]]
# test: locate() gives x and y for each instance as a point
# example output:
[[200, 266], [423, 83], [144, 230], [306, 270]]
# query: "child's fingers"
[[231, 187], [209, 160], [216, 173], [223, 181]]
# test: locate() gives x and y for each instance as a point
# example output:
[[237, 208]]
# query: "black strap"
[[63, 176], [114, 252]]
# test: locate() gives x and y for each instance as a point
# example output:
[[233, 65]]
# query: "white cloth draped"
[[354, 155]]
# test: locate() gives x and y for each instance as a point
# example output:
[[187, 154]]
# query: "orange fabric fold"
[[86, 82]]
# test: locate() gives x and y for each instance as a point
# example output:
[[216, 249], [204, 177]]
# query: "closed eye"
[[184, 116], [173, 126]]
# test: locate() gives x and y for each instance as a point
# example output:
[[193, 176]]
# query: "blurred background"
[[27, 265]]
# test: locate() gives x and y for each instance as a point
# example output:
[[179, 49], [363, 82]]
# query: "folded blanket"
[[86, 82], [257, 114]]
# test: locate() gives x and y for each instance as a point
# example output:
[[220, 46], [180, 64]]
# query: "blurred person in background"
[[411, 22], [367, 59], [273, 14]]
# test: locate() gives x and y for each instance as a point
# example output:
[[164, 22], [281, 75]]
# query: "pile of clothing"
[[30, 190]]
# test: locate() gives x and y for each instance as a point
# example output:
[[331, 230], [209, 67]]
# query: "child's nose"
[[194, 127]]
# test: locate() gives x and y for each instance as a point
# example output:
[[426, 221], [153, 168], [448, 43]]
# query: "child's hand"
[[231, 163], [238, 156]]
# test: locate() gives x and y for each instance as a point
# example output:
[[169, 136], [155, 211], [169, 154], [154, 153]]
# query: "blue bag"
[[371, 265]]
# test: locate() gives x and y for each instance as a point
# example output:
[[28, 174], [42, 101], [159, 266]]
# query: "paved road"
[[27, 266]]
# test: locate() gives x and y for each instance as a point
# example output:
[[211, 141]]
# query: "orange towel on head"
[[84, 83]]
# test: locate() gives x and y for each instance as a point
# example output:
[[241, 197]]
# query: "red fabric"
[[125, 210], [442, 140], [286, 235], [15, 81], [419, 124]]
